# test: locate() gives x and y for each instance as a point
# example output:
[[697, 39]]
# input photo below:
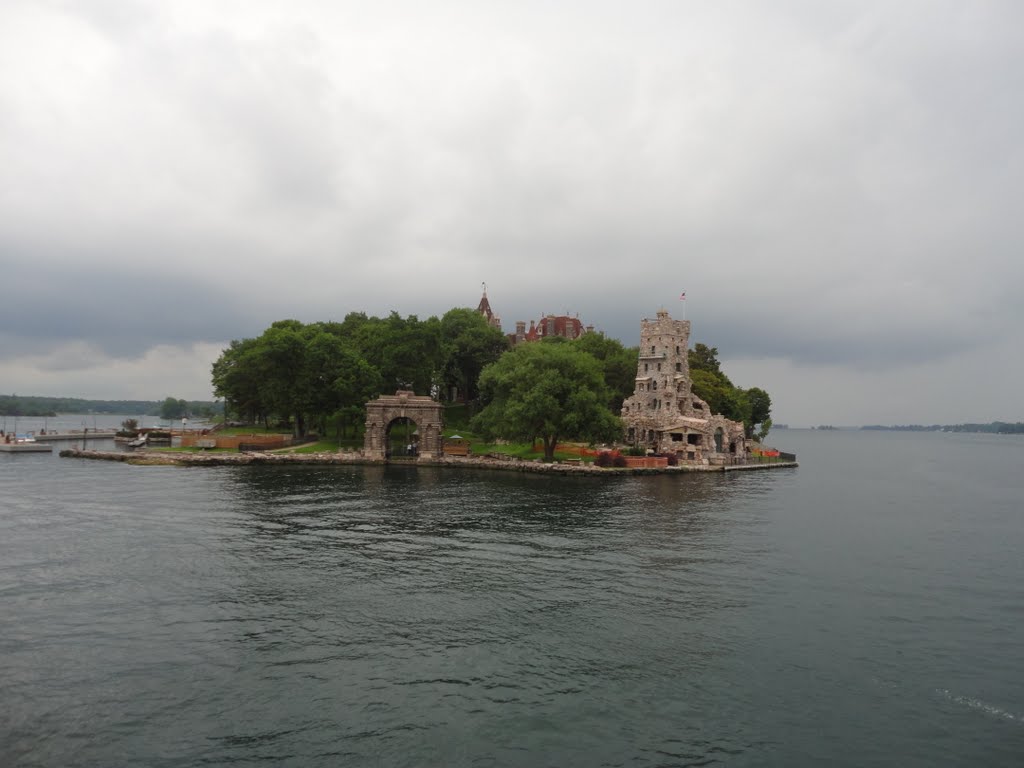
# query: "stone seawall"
[[162, 458]]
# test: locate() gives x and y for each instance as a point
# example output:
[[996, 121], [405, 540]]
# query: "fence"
[[237, 442], [771, 457]]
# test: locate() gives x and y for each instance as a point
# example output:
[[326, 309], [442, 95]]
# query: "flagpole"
[[682, 298]]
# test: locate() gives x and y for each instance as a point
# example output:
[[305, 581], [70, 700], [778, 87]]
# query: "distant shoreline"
[[991, 428]]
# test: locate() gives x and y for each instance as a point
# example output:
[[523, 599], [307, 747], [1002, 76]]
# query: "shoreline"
[[160, 458]]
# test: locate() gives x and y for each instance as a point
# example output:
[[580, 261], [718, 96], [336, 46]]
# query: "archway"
[[401, 439], [402, 409], [718, 440]]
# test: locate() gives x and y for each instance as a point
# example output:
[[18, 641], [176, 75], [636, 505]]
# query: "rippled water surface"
[[864, 609]]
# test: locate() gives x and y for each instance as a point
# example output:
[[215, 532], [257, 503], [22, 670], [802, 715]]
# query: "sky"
[[836, 186]]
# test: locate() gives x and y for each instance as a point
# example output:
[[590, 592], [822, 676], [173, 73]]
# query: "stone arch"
[[425, 412], [401, 438]]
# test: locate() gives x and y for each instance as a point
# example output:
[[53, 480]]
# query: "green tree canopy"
[[760, 405], [719, 393], [546, 391], [751, 406], [323, 373], [172, 408], [406, 351], [336, 381], [307, 374], [236, 379], [618, 364], [705, 358], [469, 343]]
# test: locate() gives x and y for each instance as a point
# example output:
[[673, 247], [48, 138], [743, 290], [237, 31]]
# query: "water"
[[76, 422], [864, 609], [72, 425]]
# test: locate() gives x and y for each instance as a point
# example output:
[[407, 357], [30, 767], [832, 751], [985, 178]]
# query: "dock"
[[77, 434], [25, 448]]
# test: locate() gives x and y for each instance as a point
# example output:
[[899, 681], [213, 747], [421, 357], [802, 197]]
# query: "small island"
[[566, 392]]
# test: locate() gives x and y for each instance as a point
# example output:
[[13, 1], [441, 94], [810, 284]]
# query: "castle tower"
[[663, 414], [662, 392], [484, 308], [520, 331]]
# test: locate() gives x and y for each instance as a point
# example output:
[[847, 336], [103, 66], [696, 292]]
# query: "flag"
[[682, 296]]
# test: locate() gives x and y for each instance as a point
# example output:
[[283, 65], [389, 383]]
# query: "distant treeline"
[[27, 405], [996, 427]]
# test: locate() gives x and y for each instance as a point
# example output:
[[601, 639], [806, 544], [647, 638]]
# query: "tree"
[[411, 353], [704, 358], [235, 378], [282, 353], [337, 381], [751, 406], [406, 351], [468, 343], [760, 409], [311, 375], [618, 363], [546, 391], [172, 409], [720, 395]]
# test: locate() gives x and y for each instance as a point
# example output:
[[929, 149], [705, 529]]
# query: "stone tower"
[[663, 414], [662, 388]]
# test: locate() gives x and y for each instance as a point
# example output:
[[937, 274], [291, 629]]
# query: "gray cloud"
[[834, 185], [121, 311]]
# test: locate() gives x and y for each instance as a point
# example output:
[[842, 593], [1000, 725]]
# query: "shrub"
[[604, 459], [636, 450], [618, 460]]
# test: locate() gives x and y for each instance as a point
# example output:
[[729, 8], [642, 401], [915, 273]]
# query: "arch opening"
[[401, 439]]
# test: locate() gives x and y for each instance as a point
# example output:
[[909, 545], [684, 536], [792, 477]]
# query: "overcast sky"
[[836, 186]]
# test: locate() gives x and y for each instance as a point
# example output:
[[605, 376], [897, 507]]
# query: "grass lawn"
[[523, 451]]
